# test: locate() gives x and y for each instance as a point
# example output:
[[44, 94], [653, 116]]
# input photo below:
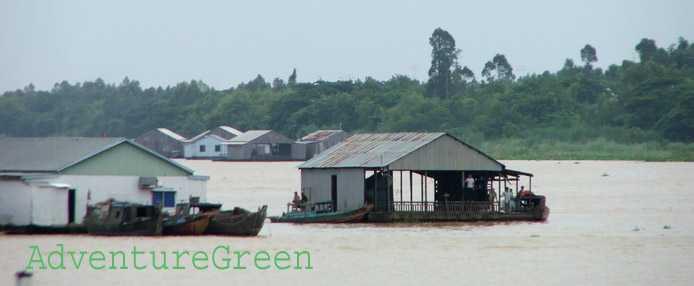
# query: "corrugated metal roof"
[[370, 150], [378, 150], [319, 135], [197, 137], [231, 130], [53, 154], [49, 154], [172, 134], [249, 135]]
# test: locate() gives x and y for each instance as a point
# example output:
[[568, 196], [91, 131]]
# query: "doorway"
[[333, 191], [71, 206]]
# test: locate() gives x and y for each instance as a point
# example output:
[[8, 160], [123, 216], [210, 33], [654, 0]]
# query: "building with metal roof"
[[260, 145], [49, 181], [318, 141], [205, 145], [403, 172], [163, 141], [226, 132]]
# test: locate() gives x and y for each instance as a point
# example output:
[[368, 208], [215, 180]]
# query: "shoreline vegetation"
[[635, 110], [596, 149]]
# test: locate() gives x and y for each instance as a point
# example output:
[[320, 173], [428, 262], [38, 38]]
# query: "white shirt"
[[470, 182]]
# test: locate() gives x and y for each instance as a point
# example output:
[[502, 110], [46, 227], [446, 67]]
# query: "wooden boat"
[[317, 213], [237, 222], [123, 218], [190, 219]]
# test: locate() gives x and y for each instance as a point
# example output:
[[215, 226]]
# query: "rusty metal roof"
[[370, 150], [319, 135], [379, 150]]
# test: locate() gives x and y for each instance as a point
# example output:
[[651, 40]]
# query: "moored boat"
[[190, 218], [317, 213], [238, 221], [123, 218]]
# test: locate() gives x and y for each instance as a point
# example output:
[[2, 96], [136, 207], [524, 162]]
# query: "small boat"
[[190, 218], [123, 218], [237, 222], [321, 212]]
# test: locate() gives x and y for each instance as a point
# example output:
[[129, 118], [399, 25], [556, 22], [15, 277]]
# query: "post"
[[426, 189], [375, 189], [401, 187], [23, 278]]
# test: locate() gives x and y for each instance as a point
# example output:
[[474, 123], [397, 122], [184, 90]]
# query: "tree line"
[[636, 101]]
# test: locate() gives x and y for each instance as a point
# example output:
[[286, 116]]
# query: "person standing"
[[492, 198], [469, 187], [508, 196]]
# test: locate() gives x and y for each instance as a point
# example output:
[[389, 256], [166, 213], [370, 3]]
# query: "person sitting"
[[296, 201]]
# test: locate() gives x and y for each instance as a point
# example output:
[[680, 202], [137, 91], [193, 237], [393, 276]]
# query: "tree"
[[444, 60], [292, 79], [501, 66], [589, 56]]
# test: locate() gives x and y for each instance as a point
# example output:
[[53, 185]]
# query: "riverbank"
[[595, 149]]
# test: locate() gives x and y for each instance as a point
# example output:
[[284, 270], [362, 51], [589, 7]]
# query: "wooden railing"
[[443, 206]]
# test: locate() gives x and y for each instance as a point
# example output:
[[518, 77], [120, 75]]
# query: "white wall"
[[193, 150], [22, 204], [49, 206], [15, 202], [350, 186]]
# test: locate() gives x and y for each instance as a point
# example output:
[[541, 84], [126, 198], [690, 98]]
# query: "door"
[[333, 191], [71, 206]]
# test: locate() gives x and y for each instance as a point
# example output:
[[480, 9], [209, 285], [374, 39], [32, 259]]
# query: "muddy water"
[[612, 223]]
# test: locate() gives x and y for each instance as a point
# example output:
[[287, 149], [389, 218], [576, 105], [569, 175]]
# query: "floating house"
[[226, 132], [261, 145], [418, 176], [321, 140], [206, 145], [163, 141], [50, 181]]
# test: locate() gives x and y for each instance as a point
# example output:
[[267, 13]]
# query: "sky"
[[224, 43]]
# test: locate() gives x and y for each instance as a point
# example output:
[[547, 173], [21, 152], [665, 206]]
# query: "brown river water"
[[612, 223]]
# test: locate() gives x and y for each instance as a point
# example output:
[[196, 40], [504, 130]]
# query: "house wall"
[[350, 186], [49, 206], [161, 143], [15, 202], [35, 202], [192, 150], [245, 151], [125, 159], [445, 154]]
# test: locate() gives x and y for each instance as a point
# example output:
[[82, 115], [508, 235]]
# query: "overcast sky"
[[224, 43]]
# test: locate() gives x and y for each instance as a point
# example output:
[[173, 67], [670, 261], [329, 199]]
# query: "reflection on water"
[[605, 230]]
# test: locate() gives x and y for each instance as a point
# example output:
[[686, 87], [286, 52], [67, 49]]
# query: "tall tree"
[[500, 65], [444, 60], [292, 79], [589, 56]]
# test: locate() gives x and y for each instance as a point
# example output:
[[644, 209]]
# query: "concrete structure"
[[381, 169], [205, 146], [261, 145], [50, 181], [321, 140], [163, 141]]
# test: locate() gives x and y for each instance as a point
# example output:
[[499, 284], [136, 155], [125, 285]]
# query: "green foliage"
[[641, 110]]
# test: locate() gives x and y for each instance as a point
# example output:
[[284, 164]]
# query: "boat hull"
[[238, 222], [195, 225], [123, 219], [329, 217], [539, 214]]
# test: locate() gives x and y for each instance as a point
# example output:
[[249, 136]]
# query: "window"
[[217, 148], [202, 148], [168, 197]]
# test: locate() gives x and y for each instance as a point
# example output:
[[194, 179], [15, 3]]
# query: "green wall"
[[126, 160]]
